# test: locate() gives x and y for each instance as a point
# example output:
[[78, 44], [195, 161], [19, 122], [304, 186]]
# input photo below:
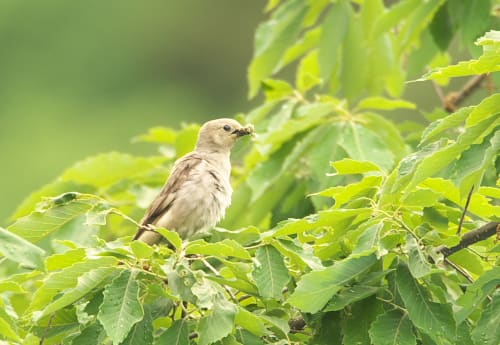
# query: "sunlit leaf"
[[315, 289], [19, 250]]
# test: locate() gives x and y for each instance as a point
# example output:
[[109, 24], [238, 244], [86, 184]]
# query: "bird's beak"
[[243, 131]]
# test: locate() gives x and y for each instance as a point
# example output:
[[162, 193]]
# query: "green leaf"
[[432, 159], [486, 284], [417, 261], [349, 166], [395, 14], [308, 72], [344, 194], [487, 330], [19, 250], [52, 214], [276, 89], [392, 328], [433, 318], [219, 323], [272, 39], [141, 332], [250, 322], [468, 171], [86, 283], [108, 168], [357, 322], [121, 307], [387, 131], [437, 128], [159, 135], [224, 248], [66, 279], [354, 73], [315, 289], [177, 334], [384, 104], [489, 107], [141, 250], [362, 144], [333, 31], [171, 236], [322, 218], [59, 261], [7, 330], [90, 335], [349, 295], [486, 63], [270, 274]]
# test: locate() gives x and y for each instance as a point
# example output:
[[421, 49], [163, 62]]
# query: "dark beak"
[[243, 131]]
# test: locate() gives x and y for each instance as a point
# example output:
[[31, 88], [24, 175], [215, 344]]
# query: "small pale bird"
[[198, 191]]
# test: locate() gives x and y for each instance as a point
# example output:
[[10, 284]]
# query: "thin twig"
[[471, 237], [453, 99], [462, 217], [459, 270]]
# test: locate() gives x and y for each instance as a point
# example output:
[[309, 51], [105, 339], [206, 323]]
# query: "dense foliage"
[[344, 224]]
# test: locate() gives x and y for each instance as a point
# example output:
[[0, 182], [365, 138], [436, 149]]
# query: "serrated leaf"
[[322, 218], [141, 332], [392, 328], [344, 194], [17, 249], [121, 307], [350, 295], [177, 334], [384, 104], [486, 284], [218, 324], [349, 166], [86, 283], [469, 169], [433, 318], [224, 248], [487, 330], [315, 289], [270, 274], [486, 63], [439, 126], [66, 279], [53, 214], [90, 335], [59, 261]]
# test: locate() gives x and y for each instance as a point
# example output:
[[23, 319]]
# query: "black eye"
[[227, 128]]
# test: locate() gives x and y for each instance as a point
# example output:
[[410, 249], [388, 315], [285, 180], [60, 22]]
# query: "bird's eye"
[[227, 128]]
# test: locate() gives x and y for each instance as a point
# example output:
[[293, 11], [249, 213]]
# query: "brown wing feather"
[[163, 202]]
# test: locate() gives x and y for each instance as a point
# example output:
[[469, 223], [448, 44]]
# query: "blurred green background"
[[79, 78]]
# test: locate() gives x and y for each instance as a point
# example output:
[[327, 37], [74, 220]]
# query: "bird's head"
[[221, 134]]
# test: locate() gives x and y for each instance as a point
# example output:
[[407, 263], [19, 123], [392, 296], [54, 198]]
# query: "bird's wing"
[[181, 173]]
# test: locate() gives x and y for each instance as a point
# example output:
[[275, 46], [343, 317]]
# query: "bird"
[[198, 190]]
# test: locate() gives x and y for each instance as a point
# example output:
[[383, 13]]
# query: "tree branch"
[[453, 99], [472, 237]]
